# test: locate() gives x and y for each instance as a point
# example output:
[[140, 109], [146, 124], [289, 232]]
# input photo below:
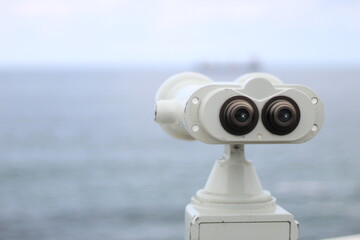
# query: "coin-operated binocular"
[[257, 108]]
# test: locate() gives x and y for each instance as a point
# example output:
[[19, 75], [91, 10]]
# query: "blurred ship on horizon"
[[224, 67]]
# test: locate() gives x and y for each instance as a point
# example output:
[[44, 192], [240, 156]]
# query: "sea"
[[81, 157]]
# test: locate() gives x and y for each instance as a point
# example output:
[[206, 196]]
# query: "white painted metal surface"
[[247, 230], [233, 205]]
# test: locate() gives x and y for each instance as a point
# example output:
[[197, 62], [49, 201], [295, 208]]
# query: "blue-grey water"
[[82, 159]]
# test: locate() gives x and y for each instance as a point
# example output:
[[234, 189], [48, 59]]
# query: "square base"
[[229, 224]]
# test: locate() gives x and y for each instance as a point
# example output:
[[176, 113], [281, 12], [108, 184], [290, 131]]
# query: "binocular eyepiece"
[[239, 115]]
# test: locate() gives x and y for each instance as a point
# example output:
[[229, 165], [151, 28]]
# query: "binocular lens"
[[281, 115], [239, 115], [242, 115], [285, 115]]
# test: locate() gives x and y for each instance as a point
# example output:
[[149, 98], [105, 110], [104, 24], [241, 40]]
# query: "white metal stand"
[[234, 206]]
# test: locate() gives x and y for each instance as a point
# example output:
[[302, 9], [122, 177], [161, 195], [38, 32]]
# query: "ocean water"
[[82, 159]]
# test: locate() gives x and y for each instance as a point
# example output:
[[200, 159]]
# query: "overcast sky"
[[82, 32]]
